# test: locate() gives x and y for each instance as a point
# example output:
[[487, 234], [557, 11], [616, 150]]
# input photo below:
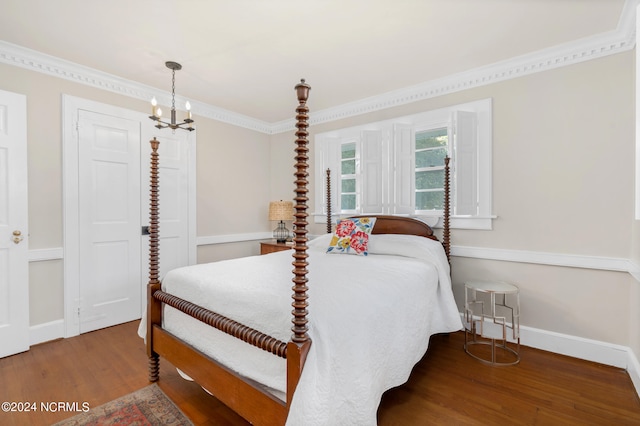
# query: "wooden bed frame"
[[247, 398]]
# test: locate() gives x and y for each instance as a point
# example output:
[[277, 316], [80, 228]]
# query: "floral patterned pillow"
[[352, 236]]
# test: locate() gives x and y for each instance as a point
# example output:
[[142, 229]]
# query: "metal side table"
[[492, 322]]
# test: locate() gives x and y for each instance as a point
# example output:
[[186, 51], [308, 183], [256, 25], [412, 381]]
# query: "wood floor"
[[446, 388]]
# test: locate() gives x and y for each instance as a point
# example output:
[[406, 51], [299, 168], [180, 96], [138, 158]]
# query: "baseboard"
[[587, 349], [634, 371], [576, 347], [581, 348], [44, 332]]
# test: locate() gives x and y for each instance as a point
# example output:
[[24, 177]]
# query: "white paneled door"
[[14, 267], [109, 220], [106, 154], [173, 199]]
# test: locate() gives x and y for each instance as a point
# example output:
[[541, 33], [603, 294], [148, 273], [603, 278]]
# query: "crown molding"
[[19, 56], [619, 40], [609, 43]]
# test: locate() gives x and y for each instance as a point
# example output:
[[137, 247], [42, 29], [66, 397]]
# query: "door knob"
[[17, 237]]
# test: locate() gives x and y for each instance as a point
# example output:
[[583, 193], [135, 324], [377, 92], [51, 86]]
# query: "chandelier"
[[187, 123]]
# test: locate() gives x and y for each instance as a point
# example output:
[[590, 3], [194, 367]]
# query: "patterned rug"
[[147, 407]]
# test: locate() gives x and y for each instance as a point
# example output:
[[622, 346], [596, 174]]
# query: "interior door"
[[173, 153], [14, 267], [100, 142], [109, 220]]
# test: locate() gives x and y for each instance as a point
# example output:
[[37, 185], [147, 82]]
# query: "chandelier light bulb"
[[187, 105], [187, 123]]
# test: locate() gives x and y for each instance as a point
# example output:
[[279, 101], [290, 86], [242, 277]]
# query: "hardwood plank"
[[544, 388], [446, 387]]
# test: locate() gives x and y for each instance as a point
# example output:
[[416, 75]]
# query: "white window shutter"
[[465, 188], [404, 165], [371, 171]]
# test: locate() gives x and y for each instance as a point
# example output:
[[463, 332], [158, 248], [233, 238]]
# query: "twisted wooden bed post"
[[300, 240], [298, 347], [248, 399], [154, 308], [446, 233], [329, 215]]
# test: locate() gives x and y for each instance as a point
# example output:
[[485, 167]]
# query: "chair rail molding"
[[506, 255], [546, 258], [40, 255]]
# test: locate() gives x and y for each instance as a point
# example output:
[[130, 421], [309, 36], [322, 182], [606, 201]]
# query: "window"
[[397, 166], [348, 177], [431, 148]]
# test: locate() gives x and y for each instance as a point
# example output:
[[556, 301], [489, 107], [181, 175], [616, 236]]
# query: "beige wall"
[[282, 165], [44, 162], [563, 182], [634, 297], [233, 180], [233, 174], [216, 252], [587, 303], [634, 319]]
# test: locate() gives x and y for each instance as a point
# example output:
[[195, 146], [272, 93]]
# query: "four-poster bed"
[[200, 318]]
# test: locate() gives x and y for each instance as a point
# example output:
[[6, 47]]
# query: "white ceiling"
[[247, 55]]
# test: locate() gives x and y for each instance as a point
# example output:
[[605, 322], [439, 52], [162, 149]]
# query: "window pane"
[[348, 150], [433, 179], [348, 185], [348, 167], [431, 139], [348, 201], [433, 200], [431, 158]]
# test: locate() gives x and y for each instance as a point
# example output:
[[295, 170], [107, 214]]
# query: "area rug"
[[147, 407]]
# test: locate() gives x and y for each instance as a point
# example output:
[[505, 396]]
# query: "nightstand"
[[492, 320], [272, 247]]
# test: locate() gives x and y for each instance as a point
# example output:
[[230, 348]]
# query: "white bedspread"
[[370, 318]]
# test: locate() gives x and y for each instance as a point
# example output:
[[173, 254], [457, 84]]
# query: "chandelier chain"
[[173, 90], [187, 123]]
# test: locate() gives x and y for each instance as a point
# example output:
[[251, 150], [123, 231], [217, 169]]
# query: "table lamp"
[[281, 211]]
